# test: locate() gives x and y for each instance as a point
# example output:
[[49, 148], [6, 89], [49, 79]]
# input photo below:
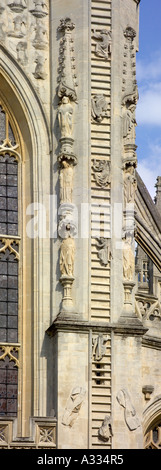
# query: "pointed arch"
[[152, 424]]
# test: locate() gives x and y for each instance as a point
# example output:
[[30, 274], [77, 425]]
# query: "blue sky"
[[148, 113]]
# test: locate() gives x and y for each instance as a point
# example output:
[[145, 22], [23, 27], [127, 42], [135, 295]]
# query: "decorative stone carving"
[[102, 172], [105, 431], [2, 31], [99, 347], [129, 123], [103, 46], [130, 415], [9, 351], [147, 390], [130, 96], [68, 222], [21, 53], [66, 262], [19, 22], [39, 69], [3, 434], [66, 151], [47, 434], [65, 117], [40, 9], [99, 107], [10, 244], [18, 6], [67, 79], [67, 255], [130, 90], [129, 33], [104, 252], [2, 6], [40, 40], [73, 406], [148, 308], [128, 259], [66, 182], [130, 185]]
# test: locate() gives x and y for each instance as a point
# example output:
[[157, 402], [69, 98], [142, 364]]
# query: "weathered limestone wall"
[[127, 392], [72, 388]]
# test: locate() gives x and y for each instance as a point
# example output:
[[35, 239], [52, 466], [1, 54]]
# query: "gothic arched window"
[[10, 184], [153, 437]]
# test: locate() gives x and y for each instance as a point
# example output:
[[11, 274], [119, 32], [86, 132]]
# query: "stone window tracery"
[[153, 437]]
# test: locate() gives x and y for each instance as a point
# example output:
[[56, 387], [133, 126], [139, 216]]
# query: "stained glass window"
[[9, 265]]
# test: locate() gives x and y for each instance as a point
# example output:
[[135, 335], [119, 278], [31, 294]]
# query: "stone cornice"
[[151, 342], [72, 323]]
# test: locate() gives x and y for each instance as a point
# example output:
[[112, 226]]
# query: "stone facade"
[[80, 237]]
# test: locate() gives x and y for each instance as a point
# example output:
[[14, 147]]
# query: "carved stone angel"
[[105, 431], [102, 172], [104, 252], [99, 107], [131, 417], [103, 46]]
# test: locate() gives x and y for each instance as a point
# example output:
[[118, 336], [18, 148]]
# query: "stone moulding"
[[151, 412], [72, 323], [42, 429]]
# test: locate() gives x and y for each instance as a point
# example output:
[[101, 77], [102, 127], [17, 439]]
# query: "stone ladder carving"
[[101, 390]]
